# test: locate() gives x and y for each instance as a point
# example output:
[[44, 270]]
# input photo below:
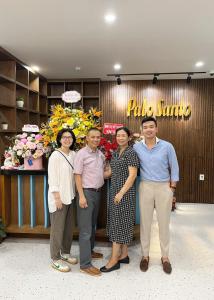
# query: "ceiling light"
[[189, 79], [117, 66], [35, 68], [199, 64], [119, 81], [110, 18], [155, 78]]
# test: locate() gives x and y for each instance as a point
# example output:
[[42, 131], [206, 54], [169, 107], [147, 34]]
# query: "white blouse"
[[60, 178]]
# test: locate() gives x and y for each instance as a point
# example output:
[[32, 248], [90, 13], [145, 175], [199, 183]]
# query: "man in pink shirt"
[[89, 177]]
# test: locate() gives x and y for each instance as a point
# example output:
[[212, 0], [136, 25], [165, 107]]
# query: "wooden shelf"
[[34, 118], [5, 105], [8, 130], [17, 81], [56, 88], [43, 105], [7, 68], [90, 97], [21, 74], [33, 82], [21, 108], [74, 86], [21, 119], [22, 85], [54, 97], [88, 88], [33, 111], [4, 78], [42, 87], [33, 91], [7, 93]]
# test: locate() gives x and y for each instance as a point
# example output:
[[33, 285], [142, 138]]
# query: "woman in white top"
[[60, 196]]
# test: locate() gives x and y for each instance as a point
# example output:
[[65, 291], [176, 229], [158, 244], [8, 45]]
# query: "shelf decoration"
[[65, 117], [71, 97], [27, 148]]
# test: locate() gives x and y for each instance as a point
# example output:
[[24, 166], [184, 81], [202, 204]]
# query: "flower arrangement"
[[76, 119], [107, 147], [28, 145], [25, 145]]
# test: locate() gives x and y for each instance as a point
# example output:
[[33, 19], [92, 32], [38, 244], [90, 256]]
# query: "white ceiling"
[[148, 36]]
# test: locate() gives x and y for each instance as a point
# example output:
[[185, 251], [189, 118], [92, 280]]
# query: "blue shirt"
[[159, 163]]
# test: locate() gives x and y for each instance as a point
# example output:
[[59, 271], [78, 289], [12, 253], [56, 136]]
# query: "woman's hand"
[[118, 198], [58, 203]]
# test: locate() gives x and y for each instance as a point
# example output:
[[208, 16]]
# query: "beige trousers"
[[156, 195]]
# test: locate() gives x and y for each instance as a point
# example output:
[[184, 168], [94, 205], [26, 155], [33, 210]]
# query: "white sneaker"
[[60, 266], [69, 259]]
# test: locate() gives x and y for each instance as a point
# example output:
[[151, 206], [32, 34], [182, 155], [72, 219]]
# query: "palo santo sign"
[[161, 110]]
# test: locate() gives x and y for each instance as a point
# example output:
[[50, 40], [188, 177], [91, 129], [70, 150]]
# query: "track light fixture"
[[155, 75], [189, 78], [119, 81], [155, 78]]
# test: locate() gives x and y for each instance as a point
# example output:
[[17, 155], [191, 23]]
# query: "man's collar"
[[157, 140], [90, 150]]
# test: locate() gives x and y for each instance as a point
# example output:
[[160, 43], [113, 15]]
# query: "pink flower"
[[38, 137], [31, 145], [24, 141], [20, 145]]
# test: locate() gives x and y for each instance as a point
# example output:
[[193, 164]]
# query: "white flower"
[[19, 152], [71, 97]]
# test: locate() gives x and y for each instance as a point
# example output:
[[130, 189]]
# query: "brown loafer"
[[144, 264], [95, 255], [167, 268], [91, 271]]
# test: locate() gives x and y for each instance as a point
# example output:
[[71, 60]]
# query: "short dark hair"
[[92, 129], [59, 136], [124, 129], [147, 119]]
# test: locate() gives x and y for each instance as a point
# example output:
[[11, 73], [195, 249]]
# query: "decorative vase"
[[20, 103], [4, 126], [33, 164]]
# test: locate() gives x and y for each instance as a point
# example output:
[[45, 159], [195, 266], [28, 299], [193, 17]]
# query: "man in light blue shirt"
[[159, 174]]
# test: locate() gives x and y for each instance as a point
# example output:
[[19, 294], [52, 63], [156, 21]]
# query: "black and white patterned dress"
[[121, 217]]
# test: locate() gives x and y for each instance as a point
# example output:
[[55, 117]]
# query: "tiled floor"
[[25, 271]]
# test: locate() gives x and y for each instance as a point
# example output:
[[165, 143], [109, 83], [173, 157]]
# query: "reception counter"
[[24, 204]]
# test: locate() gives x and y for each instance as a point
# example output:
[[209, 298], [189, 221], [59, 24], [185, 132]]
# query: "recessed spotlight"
[[77, 68], [110, 18], [35, 68], [199, 64], [117, 66]]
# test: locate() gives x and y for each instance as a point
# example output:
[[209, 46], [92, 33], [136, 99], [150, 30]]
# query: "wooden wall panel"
[[193, 138]]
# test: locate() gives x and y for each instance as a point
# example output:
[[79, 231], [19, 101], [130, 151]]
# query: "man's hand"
[[83, 202]]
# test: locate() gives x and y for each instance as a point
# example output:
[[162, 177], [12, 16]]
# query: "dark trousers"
[[87, 221], [61, 234]]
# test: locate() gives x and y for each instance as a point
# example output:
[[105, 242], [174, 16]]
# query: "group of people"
[[85, 172]]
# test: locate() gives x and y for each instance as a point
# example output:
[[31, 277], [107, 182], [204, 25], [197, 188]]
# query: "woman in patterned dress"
[[121, 208]]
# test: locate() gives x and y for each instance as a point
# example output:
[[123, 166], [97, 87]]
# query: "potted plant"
[[2, 232], [4, 125], [20, 101]]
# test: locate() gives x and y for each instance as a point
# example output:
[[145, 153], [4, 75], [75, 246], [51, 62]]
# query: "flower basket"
[[32, 163]]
